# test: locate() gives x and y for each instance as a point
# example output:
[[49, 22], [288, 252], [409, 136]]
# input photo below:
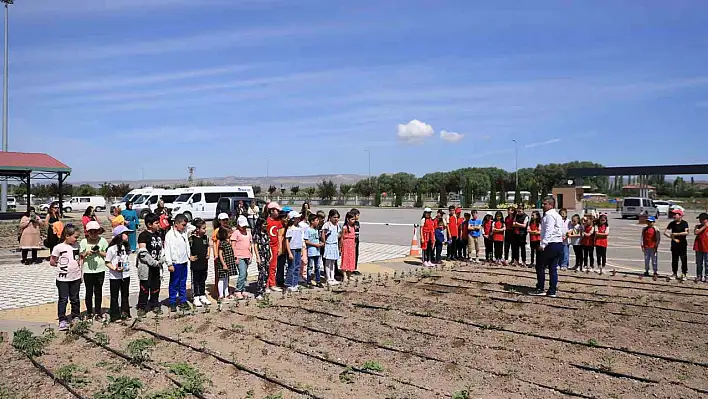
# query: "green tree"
[[493, 196], [84, 190], [533, 199], [256, 190], [295, 189], [310, 191], [344, 189], [365, 187], [272, 189], [327, 190]]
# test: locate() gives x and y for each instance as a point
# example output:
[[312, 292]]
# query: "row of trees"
[[107, 190]]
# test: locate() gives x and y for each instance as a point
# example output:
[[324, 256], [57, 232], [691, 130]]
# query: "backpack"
[[164, 222]]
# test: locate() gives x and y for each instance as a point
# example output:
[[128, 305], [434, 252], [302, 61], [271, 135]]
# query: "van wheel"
[[98, 209], [188, 216], [624, 217], [67, 209]]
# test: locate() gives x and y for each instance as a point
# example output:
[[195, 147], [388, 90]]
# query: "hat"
[[93, 225], [651, 219], [703, 216], [677, 212], [120, 230], [242, 221], [458, 210], [223, 216], [293, 214], [287, 209], [273, 205], [426, 210]]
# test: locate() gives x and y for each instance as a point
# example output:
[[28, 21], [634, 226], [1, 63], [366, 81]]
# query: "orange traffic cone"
[[415, 246]]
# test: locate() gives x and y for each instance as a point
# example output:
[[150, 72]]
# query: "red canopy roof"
[[30, 162]]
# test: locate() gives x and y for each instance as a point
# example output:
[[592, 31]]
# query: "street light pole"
[[516, 156], [368, 151], [3, 188], [267, 176]]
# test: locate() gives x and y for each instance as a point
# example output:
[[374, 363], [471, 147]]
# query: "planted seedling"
[[81, 327], [170, 393], [372, 365], [192, 380], [102, 339], [120, 388], [274, 396], [140, 349], [593, 342], [463, 394], [346, 376], [26, 342], [72, 375]]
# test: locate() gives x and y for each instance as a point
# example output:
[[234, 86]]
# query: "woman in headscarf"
[[132, 223], [54, 226], [30, 236]]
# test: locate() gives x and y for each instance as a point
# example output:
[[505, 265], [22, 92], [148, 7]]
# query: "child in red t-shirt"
[[588, 243], [700, 245], [535, 236], [602, 231], [498, 230], [487, 223], [650, 246], [464, 236]]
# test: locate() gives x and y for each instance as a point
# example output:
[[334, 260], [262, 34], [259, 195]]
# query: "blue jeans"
[[651, 256], [293, 274], [242, 274], [566, 255], [551, 256], [178, 283], [314, 265], [701, 263]]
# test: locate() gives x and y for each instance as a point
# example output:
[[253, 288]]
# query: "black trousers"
[[68, 292], [601, 256], [535, 246], [280, 270], [94, 291], [518, 247], [588, 251], [149, 296], [508, 239], [119, 289], [452, 248], [356, 264], [678, 252], [25, 252], [199, 282], [498, 249], [462, 248], [438, 251], [488, 249], [428, 255], [578, 250]]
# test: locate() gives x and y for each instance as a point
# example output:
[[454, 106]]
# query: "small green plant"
[[81, 327], [187, 329], [592, 342], [140, 349], [120, 388], [426, 273], [265, 303], [26, 342], [6, 393], [463, 394], [171, 393], [250, 394], [346, 376], [72, 375], [112, 367], [102, 338], [274, 396], [372, 366], [192, 380], [237, 327]]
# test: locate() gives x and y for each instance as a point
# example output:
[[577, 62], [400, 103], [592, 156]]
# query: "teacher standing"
[[551, 250], [131, 222]]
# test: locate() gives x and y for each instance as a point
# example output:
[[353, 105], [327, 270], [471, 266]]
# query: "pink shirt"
[[67, 262], [241, 244]]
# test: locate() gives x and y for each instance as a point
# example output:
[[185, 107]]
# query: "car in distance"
[[636, 206]]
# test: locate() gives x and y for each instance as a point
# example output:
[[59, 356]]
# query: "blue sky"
[[111, 87]]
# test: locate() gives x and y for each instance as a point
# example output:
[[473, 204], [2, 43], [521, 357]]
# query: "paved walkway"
[[23, 286]]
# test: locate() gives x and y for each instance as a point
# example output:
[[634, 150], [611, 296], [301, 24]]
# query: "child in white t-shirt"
[[118, 263], [65, 257]]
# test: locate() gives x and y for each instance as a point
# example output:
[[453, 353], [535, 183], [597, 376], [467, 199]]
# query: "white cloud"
[[551, 141], [452, 137], [415, 131]]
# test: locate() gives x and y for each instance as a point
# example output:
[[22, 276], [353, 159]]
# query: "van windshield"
[[128, 197], [631, 202], [183, 197], [140, 199]]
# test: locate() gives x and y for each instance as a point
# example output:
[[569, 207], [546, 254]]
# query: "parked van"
[[200, 202], [131, 196], [228, 205], [80, 204], [147, 202], [635, 206]]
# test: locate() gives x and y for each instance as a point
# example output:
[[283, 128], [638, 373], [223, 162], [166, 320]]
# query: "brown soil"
[[429, 335]]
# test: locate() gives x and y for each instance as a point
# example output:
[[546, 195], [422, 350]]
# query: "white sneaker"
[[205, 300], [333, 282], [292, 289], [276, 289], [197, 302], [259, 298]]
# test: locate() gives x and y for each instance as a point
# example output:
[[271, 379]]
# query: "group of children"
[[301, 243]]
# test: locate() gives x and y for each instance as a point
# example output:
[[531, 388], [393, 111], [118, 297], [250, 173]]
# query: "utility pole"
[[368, 151], [3, 188]]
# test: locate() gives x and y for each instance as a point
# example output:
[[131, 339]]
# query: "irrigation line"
[[238, 366], [614, 373], [330, 361], [502, 299], [130, 360], [537, 335], [581, 299], [417, 354], [49, 374], [581, 277], [322, 312], [608, 284]]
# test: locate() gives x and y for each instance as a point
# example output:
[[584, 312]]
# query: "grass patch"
[[592, 342], [31, 345], [73, 375], [463, 394], [372, 365], [120, 388], [192, 380], [140, 349]]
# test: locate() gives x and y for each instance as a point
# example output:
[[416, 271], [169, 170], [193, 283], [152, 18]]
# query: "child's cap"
[[427, 210], [651, 219], [293, 214], [287, 209], [273, 205], [223, 216], [677, 212], [93, 225], [120, 230], [242, 221]]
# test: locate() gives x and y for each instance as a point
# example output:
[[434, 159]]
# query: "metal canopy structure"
[[25, 167], [643, 172]]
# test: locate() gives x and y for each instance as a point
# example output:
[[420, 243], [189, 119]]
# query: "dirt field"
[[467, 332]]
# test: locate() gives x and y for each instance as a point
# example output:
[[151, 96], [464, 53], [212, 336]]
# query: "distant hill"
[[277, 181]]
